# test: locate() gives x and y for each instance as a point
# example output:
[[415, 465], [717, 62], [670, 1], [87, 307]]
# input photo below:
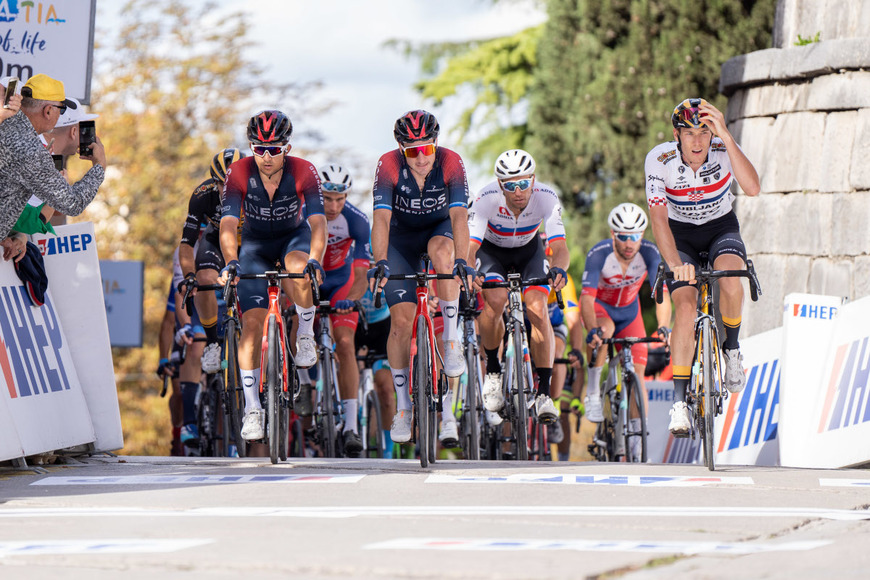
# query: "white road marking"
[[658, 547], [331, 512], [196, 479], [844, 482], [91, 547], [596, 479]]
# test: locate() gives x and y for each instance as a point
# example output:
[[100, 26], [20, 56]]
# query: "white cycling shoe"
[[679, 425], [211, 358], [400, 431], [454, 359], [306, 352], [545, 409], [449, 436], [735, 376], [493, 398], [594, 409], [253, 425]]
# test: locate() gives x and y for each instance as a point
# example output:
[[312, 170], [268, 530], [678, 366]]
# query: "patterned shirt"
[[490, 219], [26, 169]]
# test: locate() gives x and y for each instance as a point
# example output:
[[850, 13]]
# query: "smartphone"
[[11, 89], [87, 135], [58, 162]]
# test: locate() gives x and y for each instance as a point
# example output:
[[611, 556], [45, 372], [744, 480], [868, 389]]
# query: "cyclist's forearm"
[[380, 233], [744, 171], [663, 312], [459, 222], [318, 236], [561, 255], [186, 259], [360, 284], [587, 312], [664, 237], [472, 253]]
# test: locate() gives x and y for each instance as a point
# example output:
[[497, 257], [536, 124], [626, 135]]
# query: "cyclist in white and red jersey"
[[688, 188], [503, 225], [615, 270], [346, 262]]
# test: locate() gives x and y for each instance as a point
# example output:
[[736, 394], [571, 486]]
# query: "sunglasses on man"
[[272, 150], [412, 152], [334, 187], [629, 237], [511, 186]]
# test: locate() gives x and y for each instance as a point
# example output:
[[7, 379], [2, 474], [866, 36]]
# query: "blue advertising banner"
[[122, 290]]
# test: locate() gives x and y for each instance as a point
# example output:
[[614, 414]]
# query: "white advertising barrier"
[[73, 270], [50, 37], [808, 327], [747, 429], [837, 428], [38, 383]]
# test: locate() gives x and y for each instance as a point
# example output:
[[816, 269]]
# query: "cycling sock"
[[210, 327], [251, 387], [351, 409], [681, 382], [449, 309], [593, 387], [188, 400], [544, 375], [306, 320], [732, 331], [447, 407], [492, 363], [400, 382]]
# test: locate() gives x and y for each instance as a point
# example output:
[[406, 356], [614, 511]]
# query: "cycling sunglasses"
[[412, 152], [272, 150], [629, 237], [334, 187], [522, 184]]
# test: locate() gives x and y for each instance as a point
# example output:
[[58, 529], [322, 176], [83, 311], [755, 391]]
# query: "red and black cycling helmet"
[[415, 126], [686, 115], [270, 126]]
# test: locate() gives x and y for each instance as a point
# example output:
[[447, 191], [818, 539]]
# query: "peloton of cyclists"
[[688, 189], [503, 224]]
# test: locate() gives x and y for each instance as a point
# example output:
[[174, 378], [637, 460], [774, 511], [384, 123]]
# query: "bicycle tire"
[[707, 433], [374, 433], [272, 387], [633, 392], [298, 447], [421, 403], [470, 411], [328, 403], [521, 411], [220, 429], [433, 412], [283, 405], [234, 397]]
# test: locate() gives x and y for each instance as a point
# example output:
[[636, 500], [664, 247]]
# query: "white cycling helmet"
[[335, 179], [628, 218], [514, 163]]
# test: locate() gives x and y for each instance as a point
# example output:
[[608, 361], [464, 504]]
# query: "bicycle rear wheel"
[[328, 404], [273, 387], [374, 427], [234, 397], [521, 410], [421, 399], [634, 396], [708, 406]]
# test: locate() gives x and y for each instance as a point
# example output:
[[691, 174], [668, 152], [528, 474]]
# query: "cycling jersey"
[[396, 189], [691, 197], [350, 229], [204, 207], [489, 217], [297, 198], [604, 280]]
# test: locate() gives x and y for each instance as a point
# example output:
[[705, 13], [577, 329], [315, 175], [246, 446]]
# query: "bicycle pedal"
[[681, 435]]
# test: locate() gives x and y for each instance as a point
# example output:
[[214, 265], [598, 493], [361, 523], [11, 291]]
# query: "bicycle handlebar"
[[704, 275], [325, 308], [625, 340], [420, 277], [544, 281]]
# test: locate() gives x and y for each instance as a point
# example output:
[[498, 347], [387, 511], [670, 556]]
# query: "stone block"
[[793, 153], [861, 277], [850, 235], [839, 92], [837, 150], [746, 69], [767, 312], [859, 176], [761, 221], [775, 99], [831, 277], [797, 274], [805, 225], [752, 135]]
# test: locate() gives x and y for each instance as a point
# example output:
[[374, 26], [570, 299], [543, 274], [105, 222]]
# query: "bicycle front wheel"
[[234, 397], [374, 427], [421, 399], [709, 408], [521, 410], [470, 412], [273, 388], [635, 438], [328, 404]]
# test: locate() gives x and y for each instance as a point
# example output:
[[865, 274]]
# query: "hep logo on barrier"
[[845, 399], [64, 244], [30, 345], [752, 416], [814, 311]]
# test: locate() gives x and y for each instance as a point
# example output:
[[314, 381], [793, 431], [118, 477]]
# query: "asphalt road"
[[146, 518]]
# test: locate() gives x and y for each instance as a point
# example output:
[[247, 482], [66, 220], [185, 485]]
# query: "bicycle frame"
[[273, 311]]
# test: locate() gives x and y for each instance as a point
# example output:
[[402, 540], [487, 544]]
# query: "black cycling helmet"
[[268, 127], [416, 125], [222, 160]]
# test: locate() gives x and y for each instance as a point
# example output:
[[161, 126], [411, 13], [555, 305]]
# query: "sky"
[[341, 44]]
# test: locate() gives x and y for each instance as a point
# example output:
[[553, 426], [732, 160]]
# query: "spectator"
[[26, 167]]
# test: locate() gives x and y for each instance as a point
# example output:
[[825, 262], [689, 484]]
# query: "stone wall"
[[802, 116]]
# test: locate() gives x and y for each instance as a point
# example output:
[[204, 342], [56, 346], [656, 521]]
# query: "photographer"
[[26, 166]]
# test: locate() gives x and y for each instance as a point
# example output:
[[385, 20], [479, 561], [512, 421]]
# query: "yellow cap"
[[45, 88]]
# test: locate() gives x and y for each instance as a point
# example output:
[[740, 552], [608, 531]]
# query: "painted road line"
[[595, 479], [196, 479], [334, 512], [844, 482], [513, 544], [92, 547]]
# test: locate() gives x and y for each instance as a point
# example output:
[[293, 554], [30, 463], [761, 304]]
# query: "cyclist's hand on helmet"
[[166, 369], [559, 278], [593, 339], [184, 335], [345, 306], [664, 333], [382, 269], [684, 273], [713, 118], [188, 282], [313, 268], [230, 272], [463, 272]]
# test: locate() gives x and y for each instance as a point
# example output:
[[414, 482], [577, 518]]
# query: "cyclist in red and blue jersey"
[[689, 191], [347, 259], [609, 304], [205, 208], [284, 223], [504, 221], [420, 206]]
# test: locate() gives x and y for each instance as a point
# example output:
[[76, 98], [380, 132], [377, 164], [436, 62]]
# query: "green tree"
[[173, 87]]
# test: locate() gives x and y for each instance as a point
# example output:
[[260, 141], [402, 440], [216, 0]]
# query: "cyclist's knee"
[[207, 276]]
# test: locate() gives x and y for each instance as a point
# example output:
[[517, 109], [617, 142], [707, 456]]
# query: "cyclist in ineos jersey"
[[420, 206], [688, 188], [284, 222], [503, 222]]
